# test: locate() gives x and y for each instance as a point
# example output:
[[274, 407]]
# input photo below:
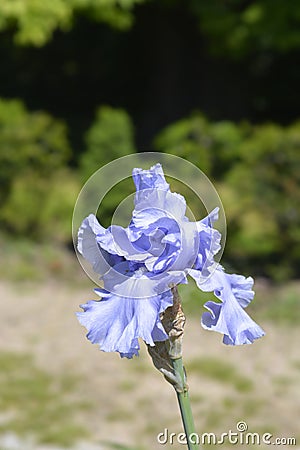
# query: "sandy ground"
[[131, 401]]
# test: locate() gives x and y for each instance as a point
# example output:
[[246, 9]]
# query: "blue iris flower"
[[138, 264]]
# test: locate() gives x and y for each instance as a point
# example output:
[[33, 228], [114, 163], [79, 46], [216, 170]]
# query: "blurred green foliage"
[[256, 168], [236, 28], [41, 208], [38, 188], [265, 229], [211, 145], [38, 191], [257, 173], [35, 21], [110, 136], [29, 140]]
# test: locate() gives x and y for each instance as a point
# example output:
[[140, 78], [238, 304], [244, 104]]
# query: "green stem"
[[185, 406]]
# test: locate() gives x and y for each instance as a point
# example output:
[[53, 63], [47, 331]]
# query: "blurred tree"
[[110, 136], [41, 208], [234, 26], [233, 59], [189, 138], [264, 186], [37, 195], [213, 146], [257, 172], [165, 61], [34, 140], [238, 27], [34, 21]]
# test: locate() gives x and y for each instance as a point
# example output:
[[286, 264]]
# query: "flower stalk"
[[185, 406], [167, 358]]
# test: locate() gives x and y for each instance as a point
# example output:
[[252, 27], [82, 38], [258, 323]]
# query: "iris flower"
[[138, 265]]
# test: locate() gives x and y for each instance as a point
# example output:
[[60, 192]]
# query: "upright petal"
[[149, 179], [188, 249], [153, 204], [209, 242]]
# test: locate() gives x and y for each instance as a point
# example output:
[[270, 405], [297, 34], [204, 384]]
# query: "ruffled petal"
[[241, 288], [232, 321], [161, 204], [211, 218], [115, 323], [163, 237], [140, 283], [96, 245], [151, 238], [226, 286], [229, 317], [124, 246]]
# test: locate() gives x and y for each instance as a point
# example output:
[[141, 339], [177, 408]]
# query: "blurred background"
[[83, 82]]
